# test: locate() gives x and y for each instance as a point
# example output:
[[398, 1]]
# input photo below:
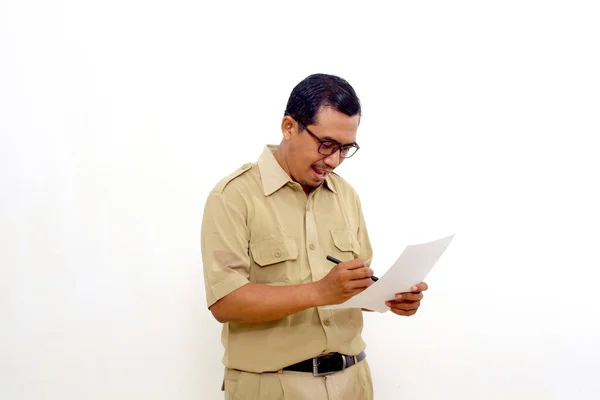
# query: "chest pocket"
[[346, 246], [275, 258]]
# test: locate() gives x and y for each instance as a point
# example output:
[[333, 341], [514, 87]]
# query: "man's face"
[[306, 165]]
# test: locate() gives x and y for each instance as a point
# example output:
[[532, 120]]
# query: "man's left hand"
[[407, 303]]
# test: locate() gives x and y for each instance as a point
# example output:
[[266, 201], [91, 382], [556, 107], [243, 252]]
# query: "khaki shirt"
[[259, 226]]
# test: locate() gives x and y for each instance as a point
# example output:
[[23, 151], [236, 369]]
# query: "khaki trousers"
[[353, 383]]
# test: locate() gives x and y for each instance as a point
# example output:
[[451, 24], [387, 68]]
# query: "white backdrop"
[[118, 117]]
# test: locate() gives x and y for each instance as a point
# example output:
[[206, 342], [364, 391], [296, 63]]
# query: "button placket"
[[311, 239]]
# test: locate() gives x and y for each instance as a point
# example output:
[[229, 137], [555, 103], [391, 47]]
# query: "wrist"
[[315, 294]]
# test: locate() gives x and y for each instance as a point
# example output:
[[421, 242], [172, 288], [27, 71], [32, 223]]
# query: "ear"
[[288, 126]]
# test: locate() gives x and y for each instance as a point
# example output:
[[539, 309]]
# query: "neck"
[[281, 159]]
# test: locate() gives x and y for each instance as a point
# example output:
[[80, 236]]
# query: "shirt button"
[[312, 246], [277, 254], [326, 322]]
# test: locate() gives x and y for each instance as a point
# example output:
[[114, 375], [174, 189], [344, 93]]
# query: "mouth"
[[320, 174]]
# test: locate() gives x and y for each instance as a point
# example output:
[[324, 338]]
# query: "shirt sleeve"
[[224, 244]]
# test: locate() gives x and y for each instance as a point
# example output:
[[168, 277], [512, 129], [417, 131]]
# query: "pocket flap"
[[344, 241], [274, 250]]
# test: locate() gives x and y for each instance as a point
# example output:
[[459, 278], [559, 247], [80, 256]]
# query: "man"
[[266, 233]]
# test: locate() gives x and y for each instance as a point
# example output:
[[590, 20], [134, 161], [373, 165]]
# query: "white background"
[[118, 117]]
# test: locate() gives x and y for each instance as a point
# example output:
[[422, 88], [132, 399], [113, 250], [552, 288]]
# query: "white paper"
[[410, 268]]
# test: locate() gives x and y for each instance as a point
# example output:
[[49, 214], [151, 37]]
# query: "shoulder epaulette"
[[223, 182]]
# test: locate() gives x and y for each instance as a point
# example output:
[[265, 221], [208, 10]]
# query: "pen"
[[336, 261]]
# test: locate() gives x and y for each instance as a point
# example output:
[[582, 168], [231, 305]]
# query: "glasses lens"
[[327, 148], [348, 151]]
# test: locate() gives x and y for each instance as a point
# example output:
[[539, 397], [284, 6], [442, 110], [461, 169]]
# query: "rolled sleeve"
[[224, 243]]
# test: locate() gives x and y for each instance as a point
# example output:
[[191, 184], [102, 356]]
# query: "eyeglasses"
[[329, 147]]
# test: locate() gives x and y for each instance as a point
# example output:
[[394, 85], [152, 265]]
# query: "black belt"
[[326, 364]]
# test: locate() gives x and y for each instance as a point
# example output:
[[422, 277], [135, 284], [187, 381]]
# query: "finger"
[[361, 283], [361, 273], [419, 287], [406, 306], [409, 296], [357, 291], [353, 264], [404, 313]]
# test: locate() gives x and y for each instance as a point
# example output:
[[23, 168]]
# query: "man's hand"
[[344, 281], [408, 303]]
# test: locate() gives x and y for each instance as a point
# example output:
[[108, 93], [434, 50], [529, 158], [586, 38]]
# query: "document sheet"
[[411, 267]]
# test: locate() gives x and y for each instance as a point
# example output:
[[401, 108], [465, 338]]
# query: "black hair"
[[321, 90]]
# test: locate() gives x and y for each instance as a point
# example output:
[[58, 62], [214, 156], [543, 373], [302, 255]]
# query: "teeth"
[[319, 171]]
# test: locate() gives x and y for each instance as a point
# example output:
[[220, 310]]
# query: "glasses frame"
[[337, 145]]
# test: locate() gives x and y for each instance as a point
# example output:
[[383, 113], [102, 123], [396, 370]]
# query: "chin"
[[310, 184]]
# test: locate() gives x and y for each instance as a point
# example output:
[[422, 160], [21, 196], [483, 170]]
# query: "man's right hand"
[[345, 280]]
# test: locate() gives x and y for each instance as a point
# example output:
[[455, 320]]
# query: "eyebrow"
[[326, 138], [330, 139]]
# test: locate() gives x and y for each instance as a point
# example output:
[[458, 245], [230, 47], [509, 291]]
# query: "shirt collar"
[[272, 174]]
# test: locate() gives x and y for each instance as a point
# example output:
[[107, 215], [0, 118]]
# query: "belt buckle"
[[315, 362]]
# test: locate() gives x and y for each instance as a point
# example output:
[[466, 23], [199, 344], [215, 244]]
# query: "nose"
[[333, 160]]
